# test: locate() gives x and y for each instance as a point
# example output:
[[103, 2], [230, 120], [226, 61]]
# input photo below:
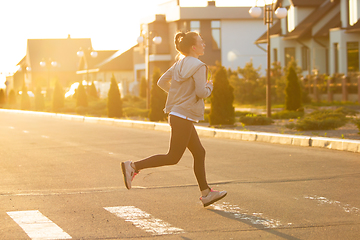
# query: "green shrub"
[[222, 110], [58, 97], [39, 100], [114, 104], [320, 120], [157, 99], [143, 88], [93, 93], [253, 119], [2, 97], [285, 114], [357, 123], [81, 98], [25, 99], [292, 91], [12, 98], [136, 112]]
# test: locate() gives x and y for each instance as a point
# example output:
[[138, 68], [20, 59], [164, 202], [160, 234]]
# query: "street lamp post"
[[80, 54], [145, 38], [255, 12], [48, 64]]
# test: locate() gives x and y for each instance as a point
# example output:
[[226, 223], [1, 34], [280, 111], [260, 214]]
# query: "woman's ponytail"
[[184, 41]]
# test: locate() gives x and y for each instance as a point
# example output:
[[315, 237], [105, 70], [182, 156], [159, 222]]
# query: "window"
[[336, 56], [289, 55], [352, 56], [195, 26], [216, 35], [275, 53], [353, 12], [291, 19], [304, 58]]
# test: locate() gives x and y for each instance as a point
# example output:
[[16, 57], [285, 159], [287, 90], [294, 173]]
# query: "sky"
[[111, 24]]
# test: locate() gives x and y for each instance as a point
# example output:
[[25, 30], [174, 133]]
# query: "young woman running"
[[186, 84]]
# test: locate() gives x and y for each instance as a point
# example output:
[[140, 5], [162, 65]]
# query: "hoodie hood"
[[185, 68]]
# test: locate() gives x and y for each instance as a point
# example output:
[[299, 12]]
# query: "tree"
[[39, 100], [81, 97], [157, 99], [293, 99], [251, 87], [222, 98], [143, 87], [114, 102], [2, 97], [12, 98], [93, 94], [58, 97]]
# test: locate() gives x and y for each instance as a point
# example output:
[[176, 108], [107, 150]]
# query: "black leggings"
[[183, 135]]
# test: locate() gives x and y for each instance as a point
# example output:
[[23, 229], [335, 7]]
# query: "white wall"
[[237, 42]]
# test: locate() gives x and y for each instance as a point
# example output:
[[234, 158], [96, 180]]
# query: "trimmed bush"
[[2, 97], [222, 110], [287, 114], [25, 99], [114, 103], [357, 123], [143, 87], [253, 119], [292, 91], [12, 98], [58, 97], [157, 99], [320, 120], [93, 94], [39, 100], [81, 97]]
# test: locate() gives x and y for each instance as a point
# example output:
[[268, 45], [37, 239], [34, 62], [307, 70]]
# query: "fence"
[[333, 88]]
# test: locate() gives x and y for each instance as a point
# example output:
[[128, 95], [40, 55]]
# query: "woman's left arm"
[[164, 80], [203, 88]]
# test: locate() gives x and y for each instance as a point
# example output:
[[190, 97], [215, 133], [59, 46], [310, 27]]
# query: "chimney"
[[211, 3]]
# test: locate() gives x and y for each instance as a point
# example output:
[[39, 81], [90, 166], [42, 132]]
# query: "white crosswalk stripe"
[[144, 220], [37, 226]]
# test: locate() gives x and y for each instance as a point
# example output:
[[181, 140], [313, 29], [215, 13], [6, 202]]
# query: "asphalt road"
[[62, 179]]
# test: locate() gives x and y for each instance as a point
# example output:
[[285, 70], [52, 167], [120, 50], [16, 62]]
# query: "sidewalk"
[[350, 145]]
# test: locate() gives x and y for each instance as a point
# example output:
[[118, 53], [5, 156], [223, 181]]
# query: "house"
[[229, 34], [48, 60], [106, 64], [321, 35]]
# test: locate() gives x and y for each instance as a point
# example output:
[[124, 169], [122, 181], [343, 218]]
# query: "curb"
[[303, 141]]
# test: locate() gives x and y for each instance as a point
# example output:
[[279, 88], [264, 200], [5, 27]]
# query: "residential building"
[[229, 34], [48, 60], [321, 35], [108, 64]]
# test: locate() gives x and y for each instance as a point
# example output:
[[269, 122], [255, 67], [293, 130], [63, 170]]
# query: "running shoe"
[[212, 197], [129, 173]]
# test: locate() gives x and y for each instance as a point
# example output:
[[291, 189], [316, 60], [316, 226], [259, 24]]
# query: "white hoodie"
[[187, 86]]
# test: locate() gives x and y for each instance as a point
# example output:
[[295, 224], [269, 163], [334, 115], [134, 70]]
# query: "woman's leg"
[[181, 130], [198, 152]]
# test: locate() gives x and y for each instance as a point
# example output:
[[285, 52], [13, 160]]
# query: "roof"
[[355, 28], [274, 30], [93, 61], [63, 51], [335, 22], [304, 28], [302, 3], [307, 3], [119, 61]]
